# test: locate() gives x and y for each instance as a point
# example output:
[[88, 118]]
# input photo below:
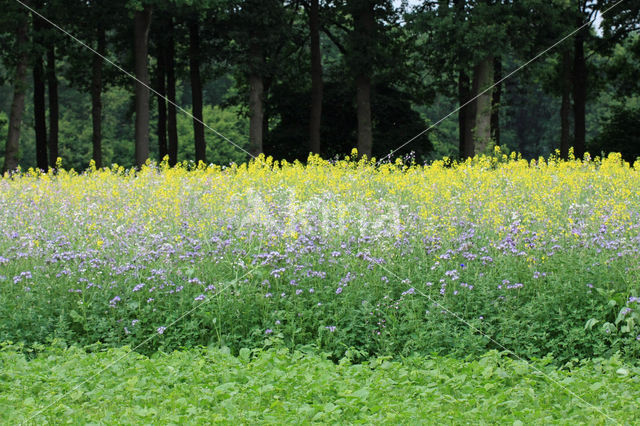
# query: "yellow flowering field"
[[540, 258]]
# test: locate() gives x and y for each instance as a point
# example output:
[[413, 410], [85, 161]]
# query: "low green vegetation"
[[201, 386]]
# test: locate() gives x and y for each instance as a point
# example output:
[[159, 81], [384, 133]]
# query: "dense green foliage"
[[275, 386]]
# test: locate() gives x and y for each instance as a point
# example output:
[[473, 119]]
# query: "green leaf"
[[594, 387], [622, 371], [245, 354], [590, 323], [362, 394]]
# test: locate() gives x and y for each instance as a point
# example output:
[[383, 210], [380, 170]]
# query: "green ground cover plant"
[[275, 386]]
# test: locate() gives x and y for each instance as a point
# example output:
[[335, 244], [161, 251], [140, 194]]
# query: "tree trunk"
[[316, 79], [495, 102], [363, 100], [196, 90], [256, 102], [96, 97], [256, 114], [171, 94], [54, 110], [39, 108], [142, 21], [39, 113], [17, 104], [266, 86], [579, 95], [364, 27], [465, 117], [482, 79], [565, 109], [161, 87]]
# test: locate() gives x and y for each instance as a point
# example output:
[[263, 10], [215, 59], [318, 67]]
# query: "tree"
[[565, 109], [171, 93], [142, 22], [97, 17], [315, 119], [161, 88], [97, 86], [362, 41], [54, 109], [196, 87], [584, 18], [260, 31], [39, 107], [20, 23], [496, 99]]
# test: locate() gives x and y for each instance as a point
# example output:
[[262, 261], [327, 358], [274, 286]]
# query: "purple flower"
[[268, 295], [161, 330], [113, 301], [201, 297], [331, 328], [138, 287], [277, 272], [410, 291], [311, 290], [277, 322], [298, 292], [134, 322], [339, 290], [268, 331]]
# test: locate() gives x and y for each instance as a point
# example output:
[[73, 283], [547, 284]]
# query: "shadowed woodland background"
[[291, 77]]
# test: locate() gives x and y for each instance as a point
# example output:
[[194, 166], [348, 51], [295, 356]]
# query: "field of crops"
[[344, 264]]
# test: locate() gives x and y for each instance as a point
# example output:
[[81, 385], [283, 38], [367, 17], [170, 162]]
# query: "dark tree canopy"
[[285, 78]]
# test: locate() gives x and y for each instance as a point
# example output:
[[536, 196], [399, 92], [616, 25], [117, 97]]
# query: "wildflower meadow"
[[494, 289]]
